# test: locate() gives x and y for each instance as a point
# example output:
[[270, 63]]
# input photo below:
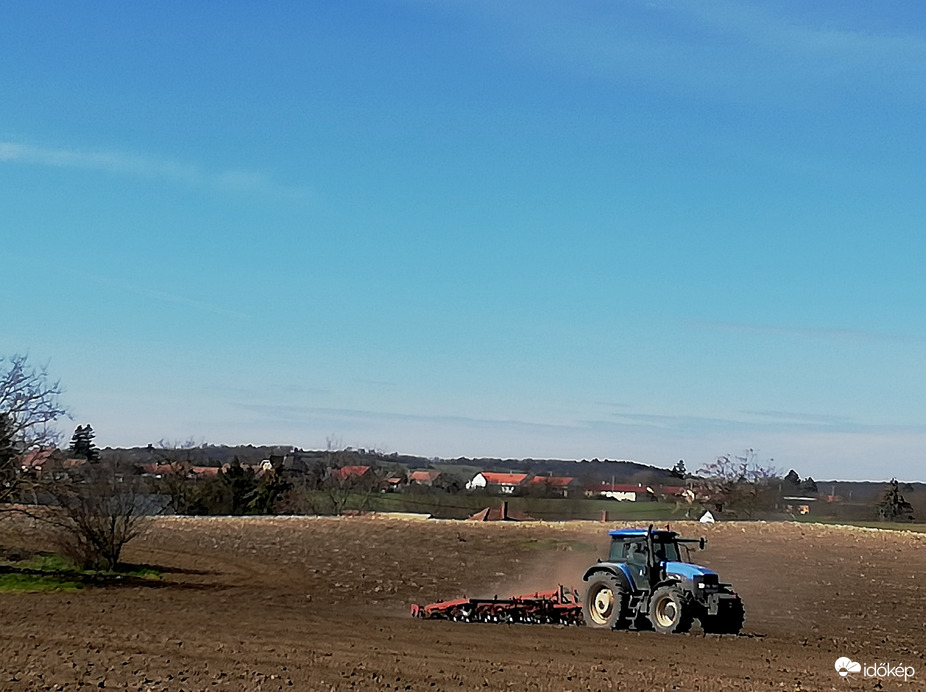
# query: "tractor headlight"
[[705, 581]]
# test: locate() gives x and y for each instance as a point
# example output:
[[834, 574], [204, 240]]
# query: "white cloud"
[[124, 163]]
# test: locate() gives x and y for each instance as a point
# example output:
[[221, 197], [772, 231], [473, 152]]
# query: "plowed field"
[[322, 604]]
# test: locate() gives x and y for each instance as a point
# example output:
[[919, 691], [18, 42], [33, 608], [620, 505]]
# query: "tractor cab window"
[[629, 551], [636, 552], [667, 551]]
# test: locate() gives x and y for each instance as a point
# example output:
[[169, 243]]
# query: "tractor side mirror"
[[702, 543]]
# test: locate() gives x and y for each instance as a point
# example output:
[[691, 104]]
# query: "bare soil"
[[322, 604]]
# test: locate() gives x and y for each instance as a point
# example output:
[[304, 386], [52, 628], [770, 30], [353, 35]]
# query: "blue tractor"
[[646, 583]]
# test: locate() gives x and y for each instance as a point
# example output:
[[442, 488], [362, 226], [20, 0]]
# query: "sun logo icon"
[[845, 665]]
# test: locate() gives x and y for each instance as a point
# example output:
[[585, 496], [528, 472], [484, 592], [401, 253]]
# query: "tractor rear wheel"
[[669, 612], [728, 620], [604, 602]]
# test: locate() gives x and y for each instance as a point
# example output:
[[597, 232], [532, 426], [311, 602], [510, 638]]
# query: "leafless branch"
[[30, 399]]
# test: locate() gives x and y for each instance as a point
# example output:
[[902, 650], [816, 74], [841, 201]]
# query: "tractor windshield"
[[667, 550]]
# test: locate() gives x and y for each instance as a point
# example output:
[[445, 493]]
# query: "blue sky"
[[645, 230]]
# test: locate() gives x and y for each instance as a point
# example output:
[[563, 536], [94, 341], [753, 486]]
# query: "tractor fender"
[[671, 581], [618, 569], [681, 584]]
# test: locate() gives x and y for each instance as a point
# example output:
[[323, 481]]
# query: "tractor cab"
[[631, 548], [631, 545]]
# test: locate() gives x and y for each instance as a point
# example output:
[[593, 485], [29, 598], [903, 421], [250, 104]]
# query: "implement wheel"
[[669, 612], [604, 602]]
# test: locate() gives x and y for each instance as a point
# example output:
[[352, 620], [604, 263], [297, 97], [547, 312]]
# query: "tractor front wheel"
[[603, 605], [669, 612]]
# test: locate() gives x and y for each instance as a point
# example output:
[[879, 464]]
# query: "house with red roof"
[[205, 471], [393, 484], [503, 483], [433, 480], [159, 470], [675, 493], [344, 472], [552, 485], [35, 459], [38, 462], [423, 477]]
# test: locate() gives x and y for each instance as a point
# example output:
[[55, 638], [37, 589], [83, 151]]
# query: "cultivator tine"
[[559, 606]]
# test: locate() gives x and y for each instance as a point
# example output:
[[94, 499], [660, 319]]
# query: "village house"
[[620, 491], [35, 459], [502, 483], [559, 486], [427, 478], [49, 460], [345, 472]]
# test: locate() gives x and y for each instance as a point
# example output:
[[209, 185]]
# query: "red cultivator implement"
[[560, 606]]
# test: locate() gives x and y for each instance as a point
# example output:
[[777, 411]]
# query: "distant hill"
[[200, 455], [589, 471], [617, 471], [864, 491]]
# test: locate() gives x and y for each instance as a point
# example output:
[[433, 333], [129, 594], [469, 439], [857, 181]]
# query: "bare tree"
[[740, 484], [304, 495], [10, 466], [30, 400], [97, 509], [29, 405], [349, 484], [344, 483], [173, 479], [174, 483]]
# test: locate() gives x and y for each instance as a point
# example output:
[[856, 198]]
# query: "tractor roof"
[[639, 533]]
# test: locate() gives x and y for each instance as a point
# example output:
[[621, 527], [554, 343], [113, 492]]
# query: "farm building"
[[504, 483], [552, 485], [345, 472], [427, 478], [620, 491]]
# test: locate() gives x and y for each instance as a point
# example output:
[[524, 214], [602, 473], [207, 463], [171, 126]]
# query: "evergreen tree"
[[241, 485], [894, 507], [76, 447], [679, 471], [270, 489], [793, 478], [7, 446], [9, 458], [82, 446], [809, 485]]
